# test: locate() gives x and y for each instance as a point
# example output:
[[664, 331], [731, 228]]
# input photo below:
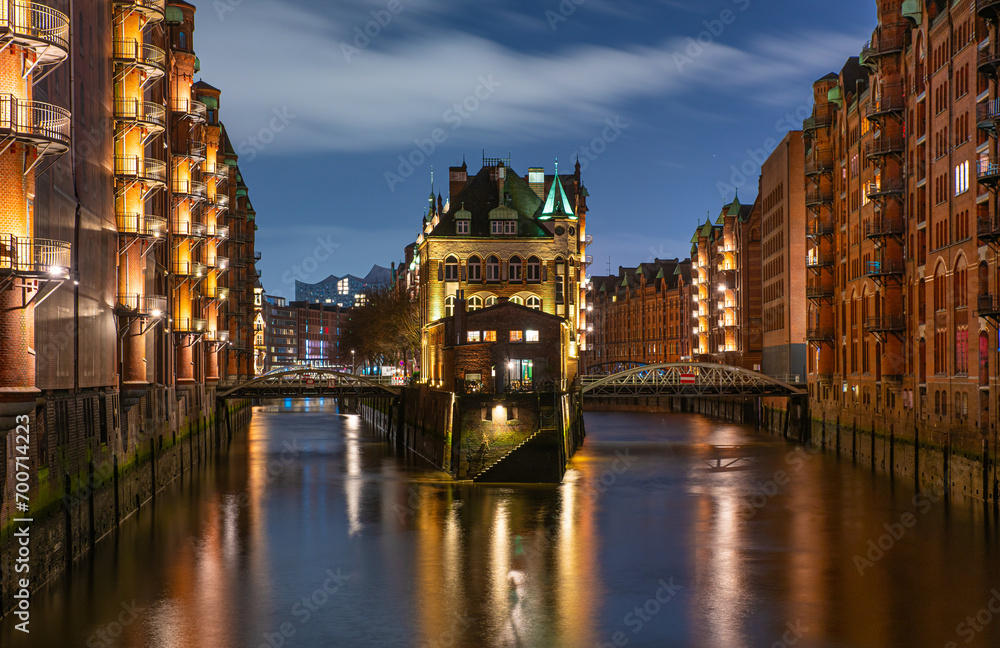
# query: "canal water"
[[669, 530]]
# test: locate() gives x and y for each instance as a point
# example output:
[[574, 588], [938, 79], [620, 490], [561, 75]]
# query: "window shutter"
[[440, 271]]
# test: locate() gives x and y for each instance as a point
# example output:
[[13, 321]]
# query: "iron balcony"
[[989, 306], [41, 29], [819, 260], [152, 10], [888, 99], [190, 325], [820, 334], [143, 305], [149, 115], [988, 114], [885, 268], [988, 171], [35, 123], [189, 228], [190, 189], [876, 190], [819, 162], [196, 151], [886, 41], [140, 225], [140, 169], [34, 258], [196, 111], [189, 269], [988, 228], [883, 227], [882, 146], [132, 53], [818, 196], [819, 228], [886, 324], [822, 117], [819, 292], [988, 60]]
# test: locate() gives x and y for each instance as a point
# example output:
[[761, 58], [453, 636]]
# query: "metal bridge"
[[310, 383], [686, 379]]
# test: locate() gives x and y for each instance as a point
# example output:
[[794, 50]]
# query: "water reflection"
[[312, 532]]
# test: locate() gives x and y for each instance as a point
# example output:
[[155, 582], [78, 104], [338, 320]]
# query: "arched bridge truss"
[[309, 383], [687, 379], [609, 368]]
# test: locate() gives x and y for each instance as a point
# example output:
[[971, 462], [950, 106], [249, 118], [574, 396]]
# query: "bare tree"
[[385, 328]]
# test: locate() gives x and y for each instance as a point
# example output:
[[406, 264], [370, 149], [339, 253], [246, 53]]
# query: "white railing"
[[132, 51], [34, 256], [34, 120], [140, 111], [141, 168], [33, 21]]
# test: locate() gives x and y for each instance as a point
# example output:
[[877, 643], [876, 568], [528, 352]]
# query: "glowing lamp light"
[[156, 313], [499, 413]]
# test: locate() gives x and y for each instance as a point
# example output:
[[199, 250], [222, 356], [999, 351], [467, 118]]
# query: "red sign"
[[310, 381], [689, 379]]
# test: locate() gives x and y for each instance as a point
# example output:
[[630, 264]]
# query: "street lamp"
[[354, 367]]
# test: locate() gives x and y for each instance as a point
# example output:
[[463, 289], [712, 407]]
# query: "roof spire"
[[557, 204]]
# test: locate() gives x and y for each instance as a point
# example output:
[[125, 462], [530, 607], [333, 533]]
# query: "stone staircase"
[[537, 459]]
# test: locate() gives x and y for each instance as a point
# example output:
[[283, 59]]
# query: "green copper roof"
[[241, 192], [706, 229], [697, 233], [911, 9], [211, 102], [197, 64], [735, 206], [639, 271], [659, 275], [463, 213], [721, 220], [677, 271], [503, 212], [174, 15], [557, 204]]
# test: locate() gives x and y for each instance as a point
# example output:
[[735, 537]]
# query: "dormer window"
[[462, 227], [504, 228]]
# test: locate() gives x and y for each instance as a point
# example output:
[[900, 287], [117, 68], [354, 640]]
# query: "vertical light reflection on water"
[[354, 481], [721, 594], [577, 584]]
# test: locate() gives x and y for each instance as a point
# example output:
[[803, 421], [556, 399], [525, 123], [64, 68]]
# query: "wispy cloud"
[[390, 95]]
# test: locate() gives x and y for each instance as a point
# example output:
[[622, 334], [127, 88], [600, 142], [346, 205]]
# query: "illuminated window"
[[517, 300], [962, 178], [517, 336], [344, 287], [493, 269], [490, 336], [491, 301], [536, 176], [475, 303], [451, 269], [534, 269], [535, 303], [531, 336], [449, 307], [475, 269], [514, 269], [475, 336]]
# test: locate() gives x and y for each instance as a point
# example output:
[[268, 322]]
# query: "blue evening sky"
[[321, 116]]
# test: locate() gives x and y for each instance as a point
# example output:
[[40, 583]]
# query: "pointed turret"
[[557, 204]]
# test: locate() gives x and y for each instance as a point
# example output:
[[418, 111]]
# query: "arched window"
[[451, 269], [492, 268], [517, 300], [475, 303], [182, 40], [491, 301], [475, 269], [449, 306], [514, 269], [535, 302], [534, 269]]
